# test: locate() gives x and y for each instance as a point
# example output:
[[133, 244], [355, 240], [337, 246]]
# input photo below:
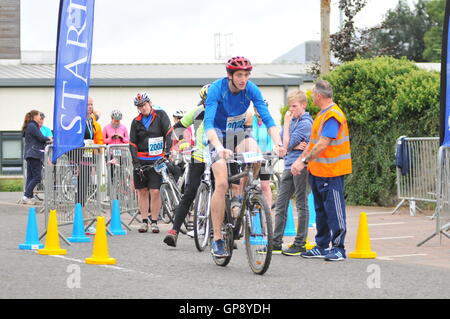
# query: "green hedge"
[[11, 185], [383, 98]]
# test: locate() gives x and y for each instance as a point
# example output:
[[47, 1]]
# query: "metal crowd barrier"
[[416, 179], [119, 168], [93, 176], [75, 178], [442, 214]]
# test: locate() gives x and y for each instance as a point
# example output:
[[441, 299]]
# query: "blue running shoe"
[[335, 254], [218, 249], [316, 252]]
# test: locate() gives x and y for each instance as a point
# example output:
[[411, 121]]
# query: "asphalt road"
[[148, 268]]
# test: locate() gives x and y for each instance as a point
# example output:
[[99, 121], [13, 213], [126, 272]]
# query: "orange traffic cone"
[[100, 254], [52, 241], [363, 240]]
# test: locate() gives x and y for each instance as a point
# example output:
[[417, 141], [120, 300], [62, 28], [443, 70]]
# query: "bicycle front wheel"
[[169, 202], [258, 234], [201, 217]]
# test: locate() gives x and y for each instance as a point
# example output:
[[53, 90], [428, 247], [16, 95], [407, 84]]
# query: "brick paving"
[[395, 237]]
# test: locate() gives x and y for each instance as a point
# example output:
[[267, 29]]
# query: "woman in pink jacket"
[[115, 132]]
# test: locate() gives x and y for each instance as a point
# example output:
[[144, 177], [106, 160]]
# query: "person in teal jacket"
[[46, 131]]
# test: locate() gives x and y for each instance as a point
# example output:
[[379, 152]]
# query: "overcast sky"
[[157, 31]]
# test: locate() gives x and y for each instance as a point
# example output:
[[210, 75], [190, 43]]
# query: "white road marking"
[[399, 237], [108, 266], [384, 224], [400, 256], [378, 213]]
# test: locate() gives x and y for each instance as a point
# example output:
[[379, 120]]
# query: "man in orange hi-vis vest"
[[328, 159]]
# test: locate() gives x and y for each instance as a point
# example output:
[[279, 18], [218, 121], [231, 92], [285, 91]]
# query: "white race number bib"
[[236, 122], [155, 146]]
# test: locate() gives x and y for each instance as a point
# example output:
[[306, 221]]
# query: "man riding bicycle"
[[150, 140], [225, 114]]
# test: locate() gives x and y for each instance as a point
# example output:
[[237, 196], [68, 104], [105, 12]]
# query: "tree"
[[346, 44], [401, 34], [411, 32], [433, 37]]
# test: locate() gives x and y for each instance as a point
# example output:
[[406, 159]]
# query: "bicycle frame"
[[206, 179], [161, 168], [250, 188], [183, 178]]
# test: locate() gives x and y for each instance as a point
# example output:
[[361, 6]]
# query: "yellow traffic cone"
[[52, 241], [100, 254], [363, 240], [308, 245]]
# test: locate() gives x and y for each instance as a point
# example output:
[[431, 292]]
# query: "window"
[[11, 147]]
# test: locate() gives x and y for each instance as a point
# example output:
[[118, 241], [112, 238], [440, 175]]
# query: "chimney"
[[10, 29]]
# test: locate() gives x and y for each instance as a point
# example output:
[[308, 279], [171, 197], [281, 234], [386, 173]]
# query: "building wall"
[[16, 102]]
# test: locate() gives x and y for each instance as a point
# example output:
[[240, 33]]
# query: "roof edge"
[[169, 82]]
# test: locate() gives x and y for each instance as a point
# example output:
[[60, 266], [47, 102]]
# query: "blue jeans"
[[34, 175], [329, 204]]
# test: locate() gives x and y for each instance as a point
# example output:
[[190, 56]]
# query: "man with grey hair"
[[328, 159]]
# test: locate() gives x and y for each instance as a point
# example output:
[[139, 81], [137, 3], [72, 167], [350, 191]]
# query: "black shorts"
[[150, 180]]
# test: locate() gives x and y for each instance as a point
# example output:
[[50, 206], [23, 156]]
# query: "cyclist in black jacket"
[[150, 140]]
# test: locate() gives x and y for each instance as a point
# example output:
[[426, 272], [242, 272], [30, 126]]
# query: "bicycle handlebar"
[[240, 159], [243, 158], [152, 165], [141, 169]]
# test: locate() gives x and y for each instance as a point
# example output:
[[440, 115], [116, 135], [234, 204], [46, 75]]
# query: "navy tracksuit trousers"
[[329, 204]]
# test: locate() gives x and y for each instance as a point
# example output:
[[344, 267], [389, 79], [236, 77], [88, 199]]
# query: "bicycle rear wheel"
[[164, 215], [169, 202], [227, 235], [258, 234], [186, 226], [201, 217]]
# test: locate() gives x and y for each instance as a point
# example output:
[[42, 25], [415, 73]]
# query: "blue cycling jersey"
[[226, 111]]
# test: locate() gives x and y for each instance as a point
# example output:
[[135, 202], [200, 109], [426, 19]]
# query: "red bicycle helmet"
[[239, 63], [141, 98]]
